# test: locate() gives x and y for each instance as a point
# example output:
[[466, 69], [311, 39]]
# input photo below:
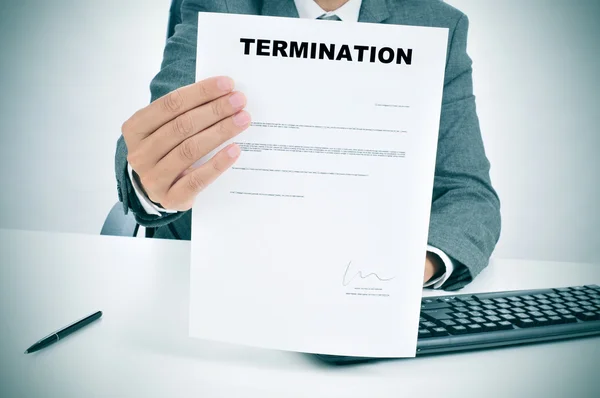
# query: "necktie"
[[330, 17]]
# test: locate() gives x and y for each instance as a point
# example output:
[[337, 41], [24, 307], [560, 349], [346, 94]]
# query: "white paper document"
[[315, 240]]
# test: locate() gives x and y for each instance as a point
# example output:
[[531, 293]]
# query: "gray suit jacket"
[[465, 212]]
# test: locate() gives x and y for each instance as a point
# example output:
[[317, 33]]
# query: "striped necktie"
[[330, 17]]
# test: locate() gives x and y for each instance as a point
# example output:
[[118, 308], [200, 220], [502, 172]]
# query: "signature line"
[[346, 281]]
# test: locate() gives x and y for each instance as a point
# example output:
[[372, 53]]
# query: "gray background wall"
[[72, 71]]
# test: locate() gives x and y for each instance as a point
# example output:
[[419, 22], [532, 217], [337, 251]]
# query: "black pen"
[[64, 332]]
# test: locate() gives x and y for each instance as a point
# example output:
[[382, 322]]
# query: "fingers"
[[182, 194], [147, 120], [167, 137], [160, 178]]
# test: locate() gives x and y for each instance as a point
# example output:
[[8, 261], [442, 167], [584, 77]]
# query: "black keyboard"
[[485, 320]]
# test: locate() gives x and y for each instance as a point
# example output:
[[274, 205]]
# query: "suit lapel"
[[374, 11], [279, 8]]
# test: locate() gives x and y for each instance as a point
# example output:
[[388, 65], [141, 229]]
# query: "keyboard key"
[[518, 310], [541, 321], [562, 289], [490, 313], [476, 308], [563, 312], [525, 323], [448, 322], [536, 314], [505, 325], [475, 313], [493, 319], [540, 296], [555, 320], [553, 295], [504, 306], [458, 329], [478, 320], [584, 303], [458, 315], [508, 317], [462, 309], [545, 307], [438, 315], [463, 321], [435, 306], [532, 309], [421, 319], [577, 287], [424, 333], [486, 301], [530, 303], [503, 311], [590, 308], [472, 302], [489, 307], [474, 328], [490, 326], [439, 331], [558, 306], [427, 301], [550, 313], [447, 299], [522, 315], [544, 302], [569, 319], [429, 324], [500, 300], [518, 305], [458, 303], [588, 316], [576, 310]]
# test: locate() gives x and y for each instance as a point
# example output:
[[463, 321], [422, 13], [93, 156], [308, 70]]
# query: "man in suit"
[[187, 120]]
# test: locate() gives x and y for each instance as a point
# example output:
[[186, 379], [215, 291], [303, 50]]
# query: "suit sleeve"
[[465, 212], [177, 70]]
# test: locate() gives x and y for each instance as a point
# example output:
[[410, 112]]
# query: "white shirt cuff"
[[437, 283], [146, 203]]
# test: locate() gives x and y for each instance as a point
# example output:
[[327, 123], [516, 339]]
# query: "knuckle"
[[148, 181], [224, 130], [133, 158], [126, 127], [183, 125], [217, 167], [203, 90], [187, 150], [217, 108], [168, 203], [196, 183], [173, 101]]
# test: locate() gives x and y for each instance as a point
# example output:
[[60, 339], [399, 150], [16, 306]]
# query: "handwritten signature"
[[346, 281]]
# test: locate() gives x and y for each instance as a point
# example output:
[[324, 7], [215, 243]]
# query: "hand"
[[433, 266], [167, 137]]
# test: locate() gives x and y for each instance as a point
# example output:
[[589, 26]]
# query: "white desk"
[[140, 347]]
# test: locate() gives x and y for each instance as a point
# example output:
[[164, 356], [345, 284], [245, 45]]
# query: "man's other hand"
[[167, 137], [433, 266]]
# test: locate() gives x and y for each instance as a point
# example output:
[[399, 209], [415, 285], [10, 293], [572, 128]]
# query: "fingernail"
[[237, 100], [241, 119], [233, 151], [225, 83]]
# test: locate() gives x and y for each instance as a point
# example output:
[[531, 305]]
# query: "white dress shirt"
[[309, 9]]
